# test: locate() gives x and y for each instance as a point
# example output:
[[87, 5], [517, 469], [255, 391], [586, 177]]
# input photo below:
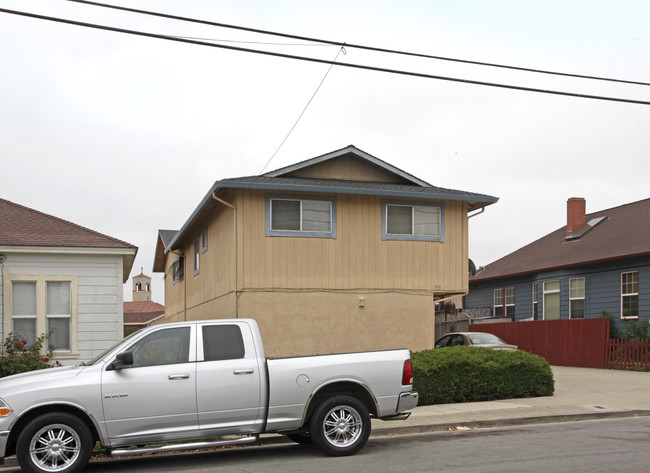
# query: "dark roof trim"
[[437, 194], [226, 184], [478, 278], [351, 149]]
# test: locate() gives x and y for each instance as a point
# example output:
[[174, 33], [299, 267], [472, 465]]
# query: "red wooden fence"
[[578, 342], [625, 354]]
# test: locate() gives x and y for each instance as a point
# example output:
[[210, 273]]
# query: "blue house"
[[597, 262]]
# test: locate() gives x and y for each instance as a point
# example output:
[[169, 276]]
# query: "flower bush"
[[19, 357]]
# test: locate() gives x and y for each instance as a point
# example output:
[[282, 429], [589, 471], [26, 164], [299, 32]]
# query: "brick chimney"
[[576, 215]]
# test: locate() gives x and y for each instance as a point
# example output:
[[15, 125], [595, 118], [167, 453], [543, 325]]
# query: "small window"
[[204, 241], [300, 216], [164, 347], [551, 300], [630, 295], [403, 220], [197, 256], [178, 269], [222, 342], [535, 304], [577, 298]]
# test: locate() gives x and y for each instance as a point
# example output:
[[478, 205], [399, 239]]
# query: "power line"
[[324, 61], [355, 46]]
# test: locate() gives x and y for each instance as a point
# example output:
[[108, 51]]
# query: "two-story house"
[[342, 252], [59, 277], [597, 262]]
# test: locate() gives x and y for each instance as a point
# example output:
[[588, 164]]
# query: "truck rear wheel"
[[56, 442], [340, 425]]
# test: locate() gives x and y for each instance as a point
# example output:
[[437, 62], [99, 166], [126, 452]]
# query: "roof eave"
[[484, 200], [563, 266]]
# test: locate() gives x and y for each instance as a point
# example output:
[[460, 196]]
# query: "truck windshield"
[[105, 352]]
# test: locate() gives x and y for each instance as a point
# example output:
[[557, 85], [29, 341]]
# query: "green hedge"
[[464, 374]]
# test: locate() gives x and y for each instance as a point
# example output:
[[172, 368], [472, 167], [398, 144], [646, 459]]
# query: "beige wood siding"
[[349, 169], [357, 258]]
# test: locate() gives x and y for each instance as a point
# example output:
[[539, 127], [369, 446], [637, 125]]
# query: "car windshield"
[[485, 339], [105, 352]]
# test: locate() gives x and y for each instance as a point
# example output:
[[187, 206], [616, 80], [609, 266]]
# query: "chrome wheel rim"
[[55, 448], [342, 426]]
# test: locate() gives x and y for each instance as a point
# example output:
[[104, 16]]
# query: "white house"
[[56, 275]]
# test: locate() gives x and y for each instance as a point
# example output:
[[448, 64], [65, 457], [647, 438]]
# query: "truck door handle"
[[179, 376], [246, 371]]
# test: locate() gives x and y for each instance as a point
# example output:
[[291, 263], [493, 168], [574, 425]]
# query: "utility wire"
[[342, 50], [355, 46], [324, 61]]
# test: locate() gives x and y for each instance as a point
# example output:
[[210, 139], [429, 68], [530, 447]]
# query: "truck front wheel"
[[340, 425], [56, 442]]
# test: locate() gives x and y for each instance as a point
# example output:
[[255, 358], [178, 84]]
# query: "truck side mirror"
[[122, 360]]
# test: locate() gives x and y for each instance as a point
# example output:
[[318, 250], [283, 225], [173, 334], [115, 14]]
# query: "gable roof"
[[141, 312], [611, 234], [163, 246], [396, 183], [25, 229]]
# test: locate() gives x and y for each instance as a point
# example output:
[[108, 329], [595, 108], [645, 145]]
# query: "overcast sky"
[[125, 134]]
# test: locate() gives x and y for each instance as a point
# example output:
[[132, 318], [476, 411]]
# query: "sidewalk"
[[580, 393]]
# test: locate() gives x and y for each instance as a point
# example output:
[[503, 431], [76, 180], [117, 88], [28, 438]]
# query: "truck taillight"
[[407, 375]]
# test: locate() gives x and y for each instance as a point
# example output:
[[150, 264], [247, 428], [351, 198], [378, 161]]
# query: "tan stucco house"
[[342, 252]]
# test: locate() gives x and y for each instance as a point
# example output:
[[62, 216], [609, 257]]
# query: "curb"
[[477, 424]]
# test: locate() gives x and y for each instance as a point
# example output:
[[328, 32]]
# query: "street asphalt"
[[580, 394]]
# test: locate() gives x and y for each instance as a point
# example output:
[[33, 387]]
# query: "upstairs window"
[[301, 217], [403, 220], [630, 295], [197, 256], [178, 269]]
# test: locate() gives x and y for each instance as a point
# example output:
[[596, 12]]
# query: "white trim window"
[[506, 295], [551, 300], [630, 295], [404, 220], [44, 304], [577, 298], [535, 302], [178, 269], [300, 216]]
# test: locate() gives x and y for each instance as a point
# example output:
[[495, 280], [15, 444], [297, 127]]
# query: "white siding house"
[[57, 275]]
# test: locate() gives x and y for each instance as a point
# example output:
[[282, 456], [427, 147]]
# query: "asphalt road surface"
[[619, 445]]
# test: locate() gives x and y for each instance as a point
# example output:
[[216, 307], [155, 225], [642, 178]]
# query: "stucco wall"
[[320, 323]]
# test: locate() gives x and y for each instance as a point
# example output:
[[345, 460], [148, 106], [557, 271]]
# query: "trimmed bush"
[[465, 374]]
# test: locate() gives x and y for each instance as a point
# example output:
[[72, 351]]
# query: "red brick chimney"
[[576, 215]]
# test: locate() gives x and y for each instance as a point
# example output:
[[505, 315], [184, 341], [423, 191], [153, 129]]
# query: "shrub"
[[18, 357], [464, 374]]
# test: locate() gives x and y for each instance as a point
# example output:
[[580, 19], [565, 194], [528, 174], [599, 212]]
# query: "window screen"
[[222, 342]]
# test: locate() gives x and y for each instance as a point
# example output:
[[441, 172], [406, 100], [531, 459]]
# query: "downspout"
[[2, 294], [234, 228], [477, 213]]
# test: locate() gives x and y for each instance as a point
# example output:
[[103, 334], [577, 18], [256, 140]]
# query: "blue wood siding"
[[602, 289]]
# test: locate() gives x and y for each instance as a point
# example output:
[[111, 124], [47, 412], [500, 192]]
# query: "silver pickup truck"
[[197, 380]]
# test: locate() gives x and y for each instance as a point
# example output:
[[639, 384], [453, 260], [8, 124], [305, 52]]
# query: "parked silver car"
[[474, 339]]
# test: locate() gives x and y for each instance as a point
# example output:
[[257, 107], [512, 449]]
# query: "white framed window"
[[40, 304], [300, 216], [630, 295], [577, 298], [535, 303], [504, 302], [551, 300], [404, 220]]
